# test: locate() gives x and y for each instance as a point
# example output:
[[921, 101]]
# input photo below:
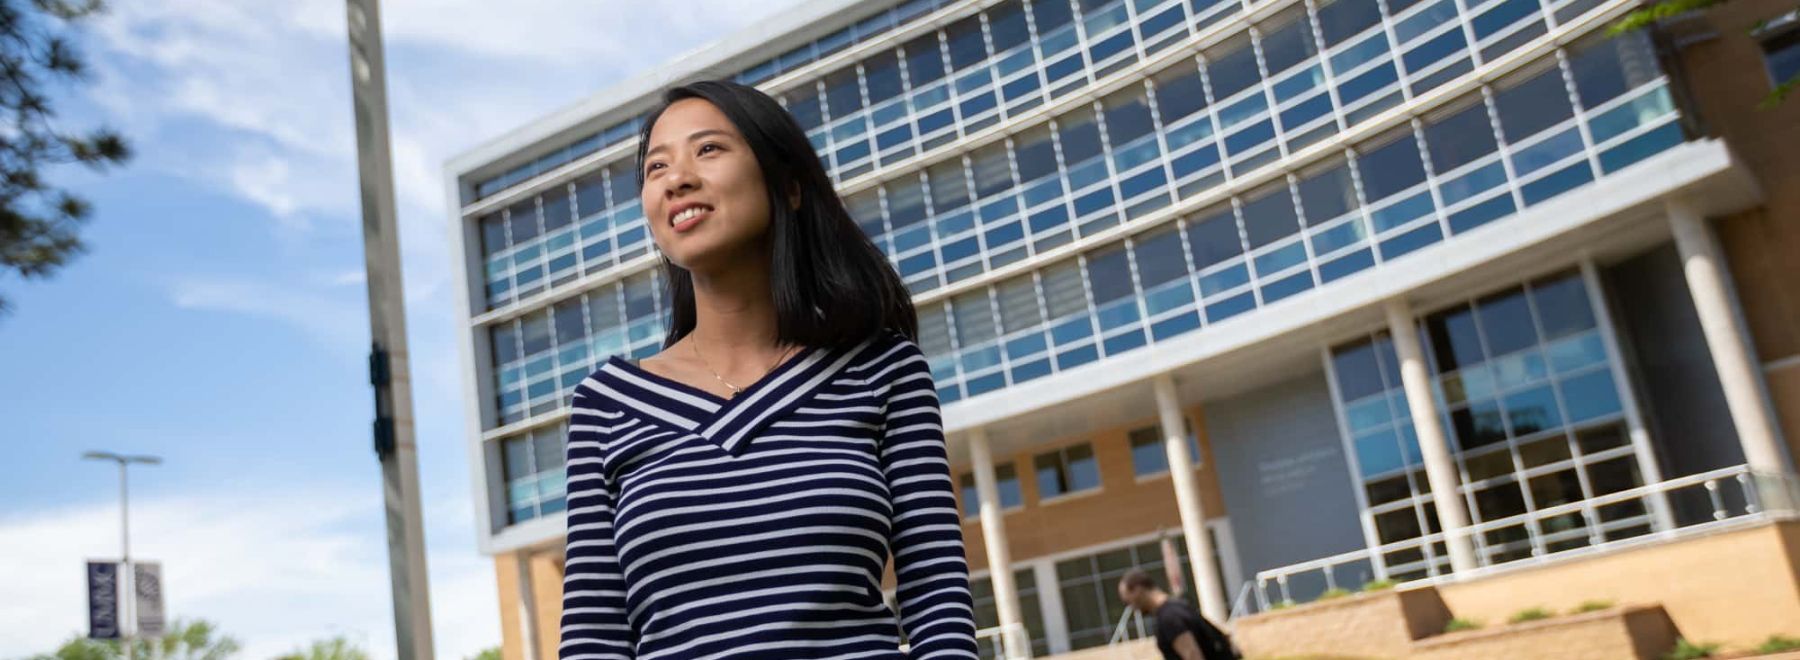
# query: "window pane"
[[905, 202], [1232, 71], [1127, 116], [536, 333], [570, 328], [1506, 320], [1036, 153], [865, 208], [1610, 67], [1454, 342], [1018, 303], [1356, 371], [622, 185], [1080, 137], [881, 72], [803, 103], [523, 221], [1328, 194], [974, 318], [1460, 138], [1179, 93], [493, 234], [556, 209], [1533, 105], [1063, 291], [1562, 305], [603, 310], [590, 194], [1288, 46], [966, 45], [1110, 274], [843, 95], [1346, 18], [1159, 257], [1006, 25], [1050, 14], [1270, 216], [924, 62], [993, 172], [1390, 168], [934, 330], [949, 189], [1214, 238], [505, 339]]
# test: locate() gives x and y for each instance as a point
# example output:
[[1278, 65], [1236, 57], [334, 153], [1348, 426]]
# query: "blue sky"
[[219, 318]]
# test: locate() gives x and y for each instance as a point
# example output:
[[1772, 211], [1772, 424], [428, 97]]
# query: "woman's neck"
[[734, 316]]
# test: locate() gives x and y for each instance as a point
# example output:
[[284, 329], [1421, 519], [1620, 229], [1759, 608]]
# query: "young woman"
[[737, 494]]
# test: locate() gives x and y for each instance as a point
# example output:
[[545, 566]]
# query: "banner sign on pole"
[[103, 599], [148, 598]]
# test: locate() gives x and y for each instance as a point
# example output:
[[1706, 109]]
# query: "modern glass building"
[[1420, 288]]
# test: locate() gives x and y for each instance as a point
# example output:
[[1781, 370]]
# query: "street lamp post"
[[128, 581]]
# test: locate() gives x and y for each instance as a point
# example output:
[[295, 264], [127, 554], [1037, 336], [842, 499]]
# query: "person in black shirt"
[[1181, 632]]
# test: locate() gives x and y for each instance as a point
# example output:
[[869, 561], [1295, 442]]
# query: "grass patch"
[[1334, 592], [1591, 606], [1281, 605], [1779, 643], [1457, 625], [1686, 650], [1529, 614], [1377, 585]]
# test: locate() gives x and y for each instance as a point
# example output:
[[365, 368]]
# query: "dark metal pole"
[[388, 370]]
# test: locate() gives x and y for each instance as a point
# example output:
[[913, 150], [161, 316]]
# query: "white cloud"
[[275, 568], [337, 319]]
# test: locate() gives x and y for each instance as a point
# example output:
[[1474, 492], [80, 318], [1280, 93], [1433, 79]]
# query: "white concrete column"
[[1211, 598], [527, 606], [1703, 263], [999, 555], [1440, 469]]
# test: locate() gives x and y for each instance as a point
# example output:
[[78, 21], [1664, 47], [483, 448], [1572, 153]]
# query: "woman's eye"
[[708, 145]]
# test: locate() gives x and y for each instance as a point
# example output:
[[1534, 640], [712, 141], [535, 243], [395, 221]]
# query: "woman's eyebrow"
[[691, 137]]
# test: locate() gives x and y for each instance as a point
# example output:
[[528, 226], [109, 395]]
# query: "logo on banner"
[[147, 597], [103, 599]]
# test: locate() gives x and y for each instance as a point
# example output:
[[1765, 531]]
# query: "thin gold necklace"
[[735, 390]]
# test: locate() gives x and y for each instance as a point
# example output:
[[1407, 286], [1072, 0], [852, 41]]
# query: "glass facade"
[[1208, 175], [532, 463], [1524, 382], [1031, 610]]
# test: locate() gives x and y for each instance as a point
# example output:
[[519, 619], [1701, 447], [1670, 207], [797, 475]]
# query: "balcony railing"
[[1708, 501]]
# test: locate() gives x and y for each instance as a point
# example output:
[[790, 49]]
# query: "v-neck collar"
[[728, 423]]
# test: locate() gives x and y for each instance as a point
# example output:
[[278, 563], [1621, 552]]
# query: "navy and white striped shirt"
[[760, 526]]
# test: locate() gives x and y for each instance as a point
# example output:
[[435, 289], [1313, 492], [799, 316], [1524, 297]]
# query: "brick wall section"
[[1735, 588], [1728, 78], [1122, 507], [1637, 632], [1377, 625]]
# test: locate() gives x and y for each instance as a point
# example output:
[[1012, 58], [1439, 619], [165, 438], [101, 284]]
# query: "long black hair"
[[832, 286]]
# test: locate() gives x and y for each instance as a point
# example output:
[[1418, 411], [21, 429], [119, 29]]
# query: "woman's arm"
[[593, 615], [936, 609]]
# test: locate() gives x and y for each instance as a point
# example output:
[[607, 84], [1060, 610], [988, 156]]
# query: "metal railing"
[[1123, 634], [1008, 641], [1736, 495]]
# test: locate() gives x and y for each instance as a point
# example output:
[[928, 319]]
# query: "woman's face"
[[704, 194]]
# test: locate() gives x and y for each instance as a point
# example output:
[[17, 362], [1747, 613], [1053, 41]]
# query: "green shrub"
[[1461, 624], [1779, 643], [1686, 650], [1281, 605], [1334, 592], [1591, 606], [1530, 614], [1378, 585]]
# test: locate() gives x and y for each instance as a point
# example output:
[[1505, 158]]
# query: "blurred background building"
[[1256, 218]]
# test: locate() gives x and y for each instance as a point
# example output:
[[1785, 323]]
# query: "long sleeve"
[[594, 625], [936, 609]]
